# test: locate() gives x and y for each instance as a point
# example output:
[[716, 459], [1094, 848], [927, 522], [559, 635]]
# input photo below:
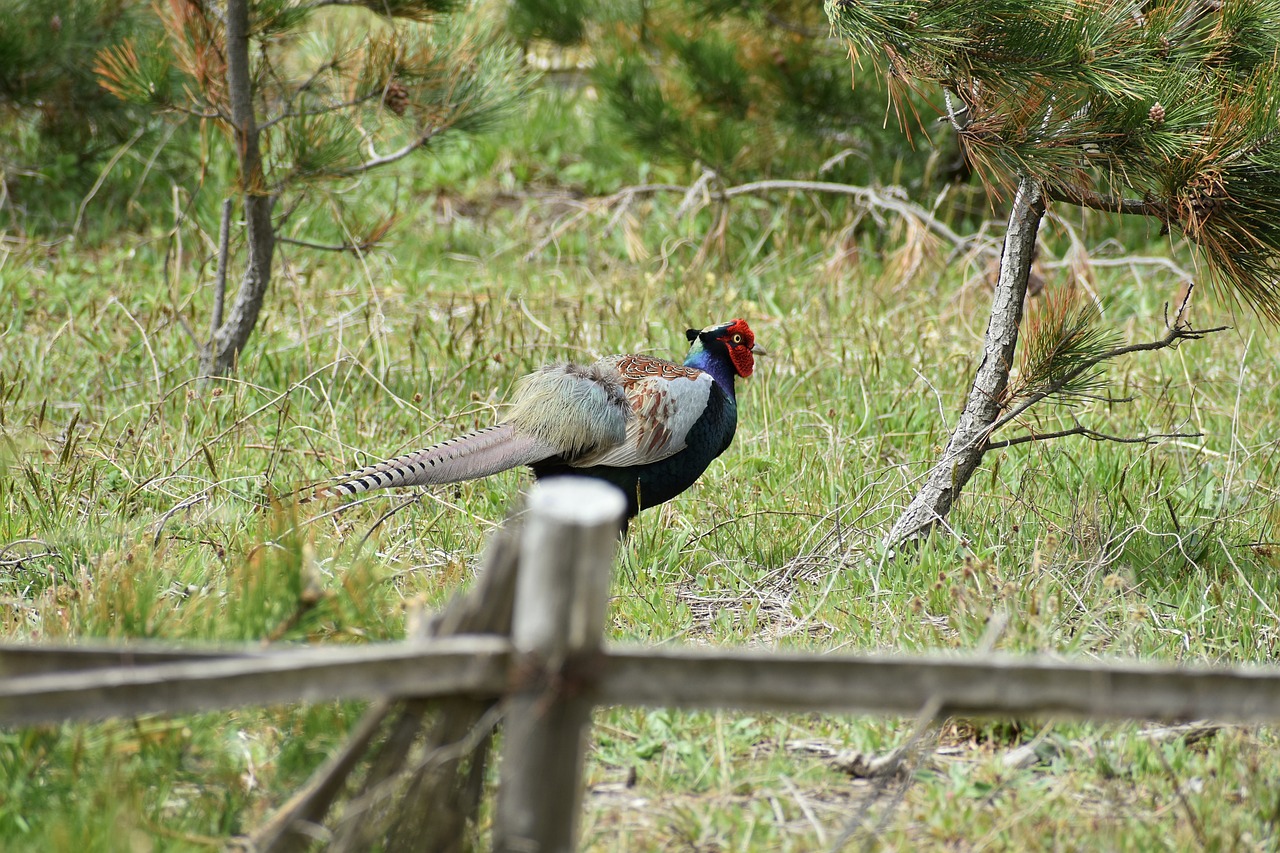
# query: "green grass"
[[136, 503]]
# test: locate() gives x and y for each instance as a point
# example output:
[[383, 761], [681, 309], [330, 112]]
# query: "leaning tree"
[[311, 95], [1167, 109]]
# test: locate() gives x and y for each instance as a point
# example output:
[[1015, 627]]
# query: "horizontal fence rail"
[[18, 660], [991, 685], [481, 666], [524, 648], [462, 666]]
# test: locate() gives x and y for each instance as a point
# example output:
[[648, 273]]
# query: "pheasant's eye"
[[737, 339]]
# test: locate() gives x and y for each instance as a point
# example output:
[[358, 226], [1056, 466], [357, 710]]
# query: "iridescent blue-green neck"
[[715, 363]]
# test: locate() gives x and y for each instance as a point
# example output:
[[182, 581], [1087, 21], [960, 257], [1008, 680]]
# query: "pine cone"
[[1156, 114], [396, 98]]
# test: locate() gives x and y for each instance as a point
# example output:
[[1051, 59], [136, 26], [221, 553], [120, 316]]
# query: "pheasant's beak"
[[756, 349]]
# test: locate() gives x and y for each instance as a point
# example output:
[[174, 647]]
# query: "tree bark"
[[968, 442], [220, 354]]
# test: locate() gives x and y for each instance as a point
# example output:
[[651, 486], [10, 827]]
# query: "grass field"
[[136, 502]]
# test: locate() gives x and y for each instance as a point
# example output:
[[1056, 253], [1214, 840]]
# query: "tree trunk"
[[220, 354], [968, 442]]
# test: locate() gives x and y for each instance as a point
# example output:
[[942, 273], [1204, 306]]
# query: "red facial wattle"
[[739, 339]]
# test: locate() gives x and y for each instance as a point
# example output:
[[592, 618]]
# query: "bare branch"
[[290, 113], [212, 113], [354, 248], [867, 196], [1129, 261], [379, 161], [320, 4], [1092, 435], [1174, 335], [961, 118], [1107, 203], [299, 90]]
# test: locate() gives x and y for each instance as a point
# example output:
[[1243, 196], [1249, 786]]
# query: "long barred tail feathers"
[[467, 457], [562, 410]]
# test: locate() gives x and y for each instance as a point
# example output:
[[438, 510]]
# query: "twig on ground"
[[896, 765], [197, 498]]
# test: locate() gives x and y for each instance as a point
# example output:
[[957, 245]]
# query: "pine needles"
[[1061, 351], [1167, 109]]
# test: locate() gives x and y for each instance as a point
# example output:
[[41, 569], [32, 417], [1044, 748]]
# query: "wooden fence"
[[524, 647]]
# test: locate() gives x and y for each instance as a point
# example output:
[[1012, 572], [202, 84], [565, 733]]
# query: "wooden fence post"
[[562, 593]]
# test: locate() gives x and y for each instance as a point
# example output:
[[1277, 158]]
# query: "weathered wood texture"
[[414, 796], [446, 667], [967, 446], [438, 787], [562, 592], [18, 660], [477, 666], [991, 685], [548, 589]]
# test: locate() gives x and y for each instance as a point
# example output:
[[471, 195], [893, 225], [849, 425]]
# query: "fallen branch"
[[704, 192]]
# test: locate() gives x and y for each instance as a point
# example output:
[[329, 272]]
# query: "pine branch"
[[1106, 203], [378, 161], [1174, 336]]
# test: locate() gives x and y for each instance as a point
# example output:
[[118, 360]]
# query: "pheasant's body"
[[661, 409], [647, 425]]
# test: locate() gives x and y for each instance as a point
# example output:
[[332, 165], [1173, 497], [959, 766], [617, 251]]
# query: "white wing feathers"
[[663, 411]]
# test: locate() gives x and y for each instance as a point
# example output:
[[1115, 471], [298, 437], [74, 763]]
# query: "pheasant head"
[[731, 344]]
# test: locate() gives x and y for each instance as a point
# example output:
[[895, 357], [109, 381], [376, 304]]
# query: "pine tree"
[[738, 88], [306, 101], [1166, 108], [56, 123]]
